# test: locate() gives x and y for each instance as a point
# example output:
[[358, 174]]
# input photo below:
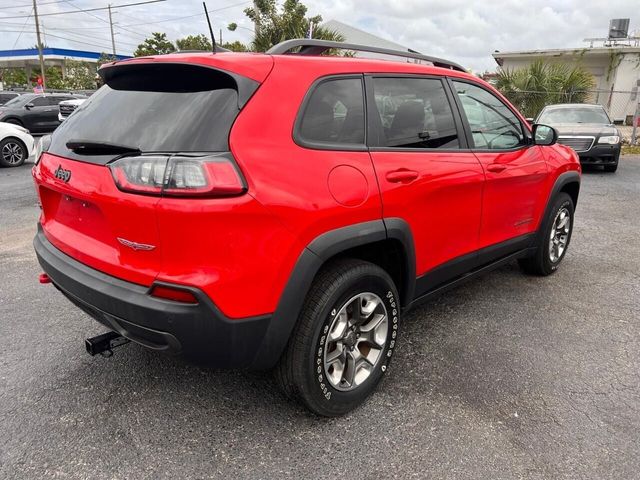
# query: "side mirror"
[[29, 106], [544, 135]]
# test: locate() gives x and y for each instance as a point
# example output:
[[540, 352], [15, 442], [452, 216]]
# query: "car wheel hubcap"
[[559, 234], [355, 341], [12, 153]]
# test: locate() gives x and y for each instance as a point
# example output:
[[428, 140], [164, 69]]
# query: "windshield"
[[595, 115]]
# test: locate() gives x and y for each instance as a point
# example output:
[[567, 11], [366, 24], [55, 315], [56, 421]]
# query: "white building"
[[616, 69]]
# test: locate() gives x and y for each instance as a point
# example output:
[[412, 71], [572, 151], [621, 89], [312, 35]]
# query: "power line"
[[22, 30], [86, 9], [29, 5]]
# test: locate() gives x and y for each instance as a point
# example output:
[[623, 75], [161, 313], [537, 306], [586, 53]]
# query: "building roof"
[[360, 37], [49, 53], [557, 52]]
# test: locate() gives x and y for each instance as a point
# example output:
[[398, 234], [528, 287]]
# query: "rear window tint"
[[191, 111], [334, 114]]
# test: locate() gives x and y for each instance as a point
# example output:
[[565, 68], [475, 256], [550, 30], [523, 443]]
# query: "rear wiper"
[[94, 147]]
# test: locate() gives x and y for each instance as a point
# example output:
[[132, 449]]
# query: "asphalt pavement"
[[508, 376]]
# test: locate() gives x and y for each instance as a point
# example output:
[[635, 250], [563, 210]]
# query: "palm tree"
[[273, 27], [542, 83]]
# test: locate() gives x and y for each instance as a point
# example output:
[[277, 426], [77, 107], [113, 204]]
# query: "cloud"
[[465, 31]]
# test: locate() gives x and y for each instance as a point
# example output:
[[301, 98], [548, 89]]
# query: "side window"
[[493, 125], [40, 102], [415, 113], [334, 114]]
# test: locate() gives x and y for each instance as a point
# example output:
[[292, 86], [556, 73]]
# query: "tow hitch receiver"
[[104, 344]]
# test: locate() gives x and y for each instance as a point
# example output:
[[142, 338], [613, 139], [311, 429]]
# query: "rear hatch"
[[107, 166]]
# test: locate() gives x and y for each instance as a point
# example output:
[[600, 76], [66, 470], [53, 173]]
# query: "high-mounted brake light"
[[179, 176]]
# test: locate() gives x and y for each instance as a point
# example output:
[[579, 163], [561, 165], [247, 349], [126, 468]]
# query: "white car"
[[16, 145], [67, 107]]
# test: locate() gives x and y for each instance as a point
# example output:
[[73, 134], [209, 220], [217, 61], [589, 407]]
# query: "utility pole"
[[35, 14], [113, 39], [256, 12]]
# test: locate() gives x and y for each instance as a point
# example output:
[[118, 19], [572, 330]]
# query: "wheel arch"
[[387, 243], [567, 182]]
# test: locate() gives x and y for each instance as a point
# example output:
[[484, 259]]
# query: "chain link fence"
[[621, 105]]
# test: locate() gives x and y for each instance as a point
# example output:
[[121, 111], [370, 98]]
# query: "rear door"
[[426, 174], [515, 169], [34, 117]]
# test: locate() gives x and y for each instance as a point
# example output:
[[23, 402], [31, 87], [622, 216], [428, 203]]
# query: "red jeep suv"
[[285, 209]]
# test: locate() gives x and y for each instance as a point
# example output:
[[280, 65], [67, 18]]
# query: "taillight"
[[179, 176]]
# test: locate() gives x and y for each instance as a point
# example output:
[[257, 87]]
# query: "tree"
[[235, 46], [106, 58], [291, 22], [194, 42], [542, 83], [157, 44], [13, 77], [79, 75], [53, 77]]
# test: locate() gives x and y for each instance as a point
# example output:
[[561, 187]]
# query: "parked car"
[[16, 145], [207, 205], [588, 130], [6, 96], [67, 107], [38, 113]]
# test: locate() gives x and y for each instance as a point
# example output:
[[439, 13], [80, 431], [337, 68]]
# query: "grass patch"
[[631, 149]]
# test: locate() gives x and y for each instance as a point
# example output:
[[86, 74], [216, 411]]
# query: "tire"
[[611, 168], [13, 152], [546, 260], [307, 372]]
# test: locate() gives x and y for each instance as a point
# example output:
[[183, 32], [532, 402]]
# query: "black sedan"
[[38, 113], [588, 130]]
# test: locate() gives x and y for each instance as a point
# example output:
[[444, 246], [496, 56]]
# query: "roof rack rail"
[[317, 47]]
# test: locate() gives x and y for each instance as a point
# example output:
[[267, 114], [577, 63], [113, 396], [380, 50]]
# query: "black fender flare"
[[312, 258], [562, 180]]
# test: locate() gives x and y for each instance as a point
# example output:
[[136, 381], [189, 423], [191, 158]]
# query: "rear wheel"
[[13, 152], [554, 240], [344, 339]]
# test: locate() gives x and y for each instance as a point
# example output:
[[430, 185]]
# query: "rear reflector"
[[172, 293], [44, 278], [179, 176]]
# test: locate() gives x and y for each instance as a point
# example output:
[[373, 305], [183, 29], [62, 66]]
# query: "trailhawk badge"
[[135, 245]]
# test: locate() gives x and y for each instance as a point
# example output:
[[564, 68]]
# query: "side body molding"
[[309, 263]]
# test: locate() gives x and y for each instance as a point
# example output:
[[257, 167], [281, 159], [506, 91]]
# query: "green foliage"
[[274, 26], [13, 77], [157, 44], [541, 83], [53, 78], [106, 58], [194, 42], [235, 46], [79, 75]]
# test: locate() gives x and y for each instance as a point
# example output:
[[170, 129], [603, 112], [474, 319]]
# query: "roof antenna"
[[213, 39]]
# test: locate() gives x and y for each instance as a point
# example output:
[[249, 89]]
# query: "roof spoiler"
[[318, 47]]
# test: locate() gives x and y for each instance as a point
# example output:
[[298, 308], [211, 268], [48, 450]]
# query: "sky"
[[465, 31]]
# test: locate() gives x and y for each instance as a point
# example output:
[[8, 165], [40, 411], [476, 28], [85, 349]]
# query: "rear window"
[[156, 109]]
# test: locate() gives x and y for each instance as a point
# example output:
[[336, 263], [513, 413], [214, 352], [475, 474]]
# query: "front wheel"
[[344, 339], [13, 152], [554, 239]]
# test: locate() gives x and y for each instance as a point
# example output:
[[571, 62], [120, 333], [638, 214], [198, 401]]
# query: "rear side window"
[[173, 108], [415, 113], [493, 125], [333, 114]]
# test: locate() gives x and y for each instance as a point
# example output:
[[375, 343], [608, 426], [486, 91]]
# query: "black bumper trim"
[[199, 331]]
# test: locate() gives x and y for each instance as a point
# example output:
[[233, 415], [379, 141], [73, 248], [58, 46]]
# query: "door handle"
[[496, 167], [402, 175]]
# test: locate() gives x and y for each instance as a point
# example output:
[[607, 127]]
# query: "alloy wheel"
[[12, 153], [559, 236], [355, 341]]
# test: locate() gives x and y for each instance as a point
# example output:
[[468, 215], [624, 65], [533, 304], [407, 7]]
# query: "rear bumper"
[[198, 331], [600, 155]]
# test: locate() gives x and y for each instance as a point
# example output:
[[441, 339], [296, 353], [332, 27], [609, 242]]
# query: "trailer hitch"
[[104, 344]]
